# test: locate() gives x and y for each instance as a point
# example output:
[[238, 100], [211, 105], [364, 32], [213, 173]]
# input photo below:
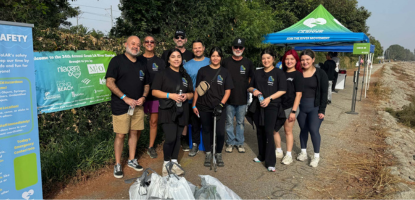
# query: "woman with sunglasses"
[[290, 101], [173, 114], [312, 105], [268, 85], [212, 104], [151, 106]]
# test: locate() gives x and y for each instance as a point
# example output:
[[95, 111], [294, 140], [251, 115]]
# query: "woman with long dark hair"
[[312, 106], [173, 112], [290, 101], [268, 85], [212, 103]]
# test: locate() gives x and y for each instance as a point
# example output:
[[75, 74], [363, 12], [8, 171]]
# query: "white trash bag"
[[138, 190], [223, 191]]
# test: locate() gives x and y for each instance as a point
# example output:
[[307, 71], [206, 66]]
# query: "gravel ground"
[[401, 138]]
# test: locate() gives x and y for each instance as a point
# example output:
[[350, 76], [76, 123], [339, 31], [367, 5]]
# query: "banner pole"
[[355, 88]]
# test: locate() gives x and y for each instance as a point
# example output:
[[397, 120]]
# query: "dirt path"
[[343, 136]]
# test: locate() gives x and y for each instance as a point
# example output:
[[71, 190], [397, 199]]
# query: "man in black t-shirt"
[[241, 70], [180, 40], [128, 80], [154, 65], [329, 67]]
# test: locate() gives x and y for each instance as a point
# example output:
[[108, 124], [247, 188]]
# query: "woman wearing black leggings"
[[312, 106], [269, 82], [166, 86], [212, 104]]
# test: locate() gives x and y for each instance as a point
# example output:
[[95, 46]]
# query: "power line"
[[95, 14], [93, 19], [96, 7]]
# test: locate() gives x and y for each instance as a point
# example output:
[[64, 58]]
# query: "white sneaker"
[[177, 170], [164, 170], [314, 162], [287, 160], [302, 156], [279, 154], [271, 169]]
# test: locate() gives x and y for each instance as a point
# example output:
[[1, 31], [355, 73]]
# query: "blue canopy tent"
[[348, 48], [319, 28]]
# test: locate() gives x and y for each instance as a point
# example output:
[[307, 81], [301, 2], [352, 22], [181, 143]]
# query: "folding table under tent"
[[319, 28]]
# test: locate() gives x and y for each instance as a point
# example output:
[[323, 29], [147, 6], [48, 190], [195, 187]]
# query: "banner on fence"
[[20, 174], [71, 79]]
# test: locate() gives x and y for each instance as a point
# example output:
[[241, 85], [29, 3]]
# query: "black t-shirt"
[[269, 83], [310, 87], [166, 81], [240, 71], [187, 55], [330, 69], [154, 65], [295, 83], [130, 78], [214, 95]]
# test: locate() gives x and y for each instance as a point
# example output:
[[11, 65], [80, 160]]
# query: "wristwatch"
[[270, 98], [293, 111]]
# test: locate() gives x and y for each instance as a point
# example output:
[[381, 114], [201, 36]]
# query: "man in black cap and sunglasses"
[[241, 70], [180, 40]]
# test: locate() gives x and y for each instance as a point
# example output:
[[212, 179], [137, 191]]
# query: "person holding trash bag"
[[291, 65], [173, 87], [312, 105], [214, 84], [268, 85]]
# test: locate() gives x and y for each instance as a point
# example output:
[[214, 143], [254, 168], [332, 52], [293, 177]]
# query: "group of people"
[[183, 89]]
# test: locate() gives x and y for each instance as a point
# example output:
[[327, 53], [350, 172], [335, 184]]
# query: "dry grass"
[[401, 74]]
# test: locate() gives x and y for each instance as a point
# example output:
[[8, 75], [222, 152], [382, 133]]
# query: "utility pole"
[[112, 23]]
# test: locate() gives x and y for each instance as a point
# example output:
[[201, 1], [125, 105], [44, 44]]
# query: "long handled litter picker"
[[213, 161]]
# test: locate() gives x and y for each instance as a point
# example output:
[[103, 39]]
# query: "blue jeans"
[[239, 112]]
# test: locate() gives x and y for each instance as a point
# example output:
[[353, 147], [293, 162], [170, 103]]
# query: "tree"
[[378, 46], [398, 52], [43, 14]]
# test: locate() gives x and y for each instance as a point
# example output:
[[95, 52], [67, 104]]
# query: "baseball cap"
[[180, 32], [238, 42]]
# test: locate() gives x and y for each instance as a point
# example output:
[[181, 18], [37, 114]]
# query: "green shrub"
[[406, 115]]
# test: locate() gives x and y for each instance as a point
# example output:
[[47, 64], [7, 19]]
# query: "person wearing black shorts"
[[290, 102], [151, 106], [270, 82], [312, 106], [212, 104], [173, 110]]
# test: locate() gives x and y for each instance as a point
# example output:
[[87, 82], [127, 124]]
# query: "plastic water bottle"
[[260, 98], [130, 111], [179, 104]]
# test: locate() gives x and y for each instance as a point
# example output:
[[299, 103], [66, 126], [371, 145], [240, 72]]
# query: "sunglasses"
[[179, 37], [240, 48], [151, 42]]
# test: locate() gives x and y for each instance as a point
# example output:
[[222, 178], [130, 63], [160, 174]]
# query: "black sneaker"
[[134, 164], [219, 160], [151, 151], [194, 150], [208, 159], [118, 171], [185, 143]]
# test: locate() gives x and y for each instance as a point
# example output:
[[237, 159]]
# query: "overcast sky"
[[390, 22]]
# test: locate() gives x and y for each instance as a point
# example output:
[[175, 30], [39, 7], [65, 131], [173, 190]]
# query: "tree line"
[[398, 52]]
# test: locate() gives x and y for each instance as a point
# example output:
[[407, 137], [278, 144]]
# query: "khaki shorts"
[[124, 123]]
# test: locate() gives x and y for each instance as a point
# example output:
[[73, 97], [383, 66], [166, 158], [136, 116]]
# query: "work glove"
[[217, 111]]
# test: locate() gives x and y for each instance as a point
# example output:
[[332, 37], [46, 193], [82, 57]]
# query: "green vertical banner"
[[361, 48], [71, 79]]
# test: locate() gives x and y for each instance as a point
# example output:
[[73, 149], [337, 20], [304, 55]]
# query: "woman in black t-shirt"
[[173, 114], [270, 83], [212, 104], [290, 101], [312, 106]]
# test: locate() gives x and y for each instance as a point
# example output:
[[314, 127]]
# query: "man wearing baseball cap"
[[180, 40], [241, 70]]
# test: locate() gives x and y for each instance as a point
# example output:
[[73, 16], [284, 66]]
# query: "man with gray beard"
[[128, 80], [241, 70]]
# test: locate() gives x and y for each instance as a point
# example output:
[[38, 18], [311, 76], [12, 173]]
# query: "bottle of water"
[[260, 98], [179, 104], [130, 111]]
